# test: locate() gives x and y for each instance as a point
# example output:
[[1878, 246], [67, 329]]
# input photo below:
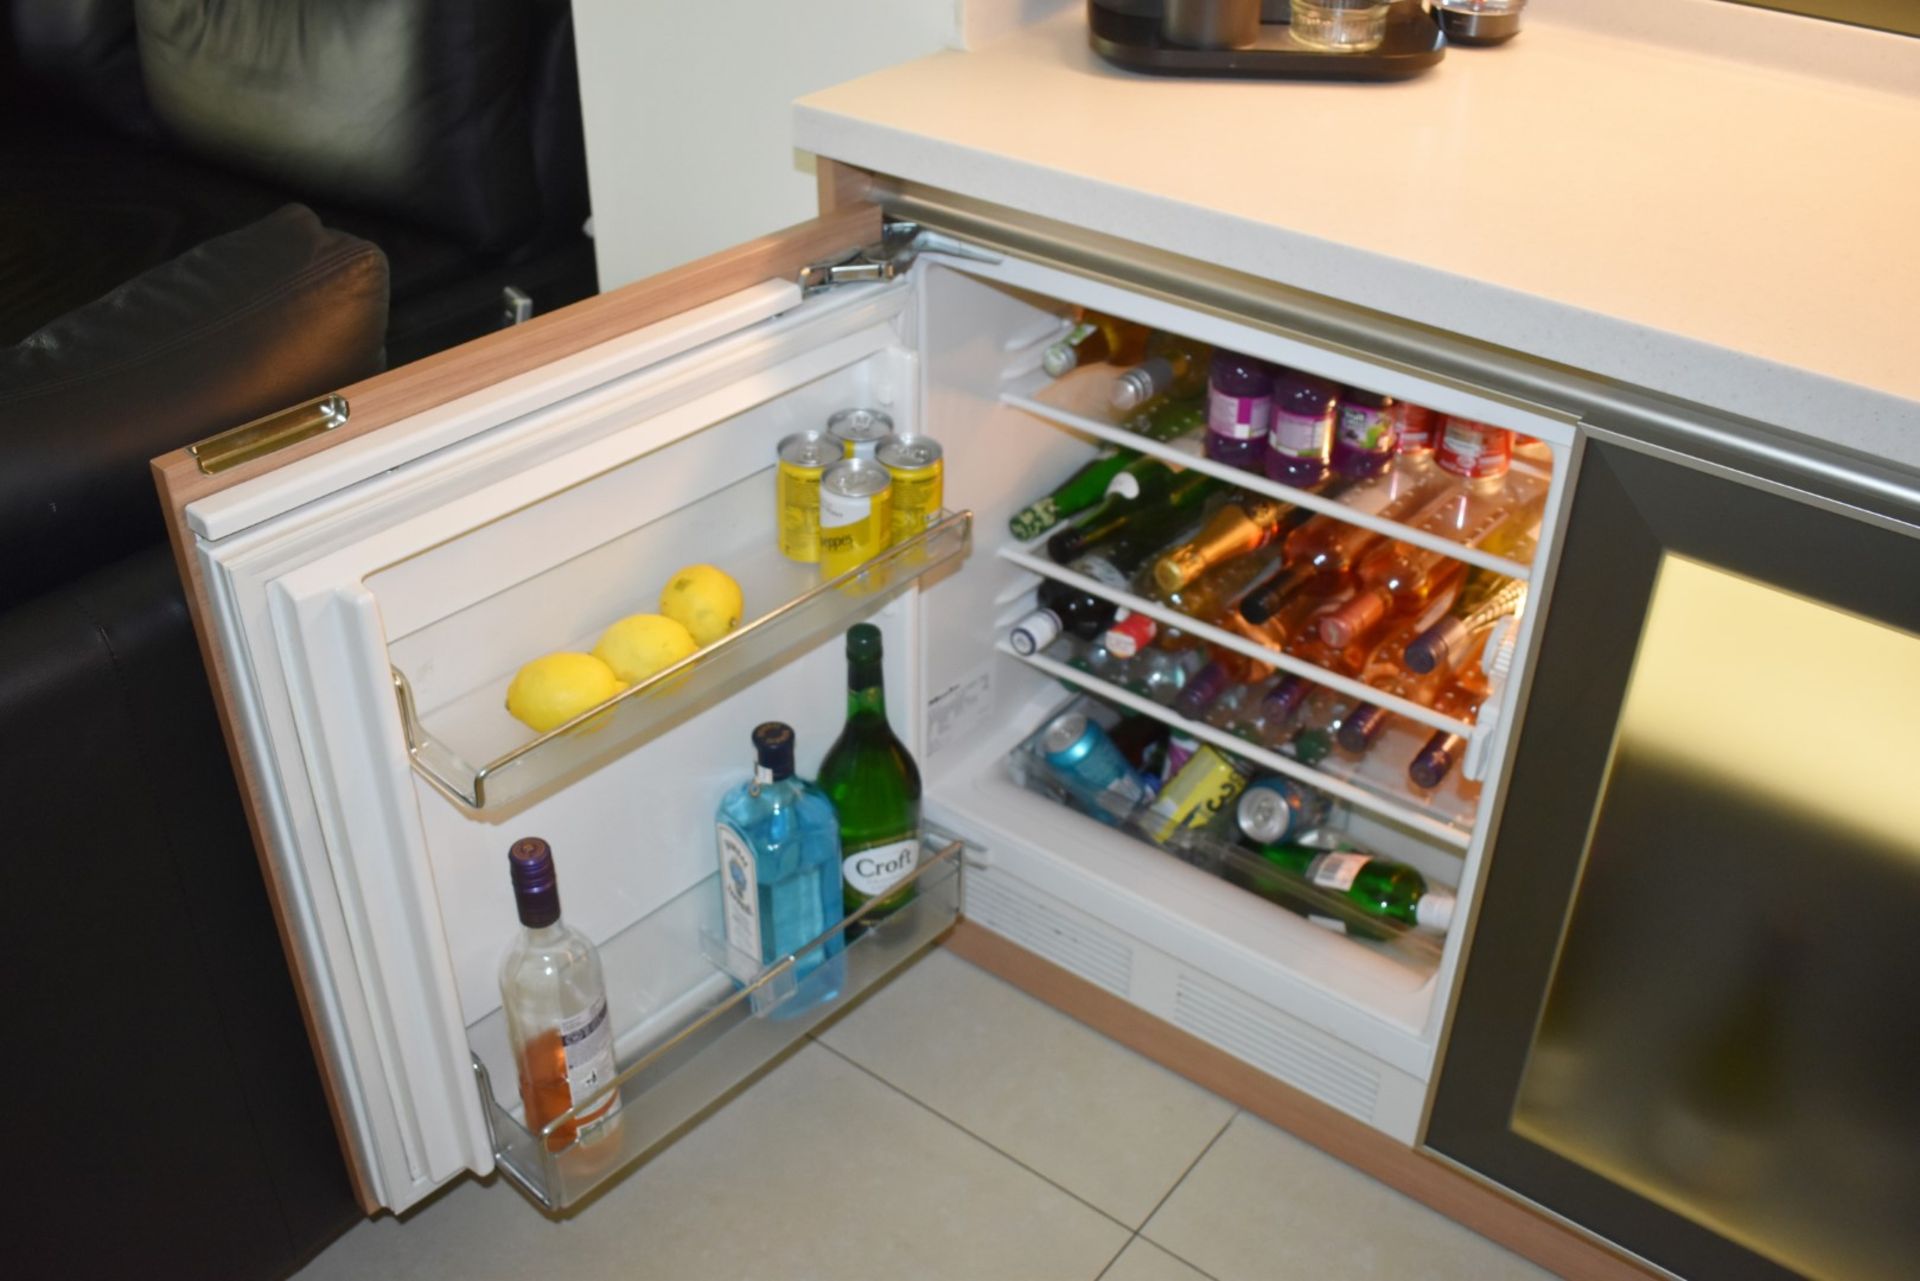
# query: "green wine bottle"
[[1169, 419], [874, 786], [1377, 886], [1075, 494], [1162, 491]]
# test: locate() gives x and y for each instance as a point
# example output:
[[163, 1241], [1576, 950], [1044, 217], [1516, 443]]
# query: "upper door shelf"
[[453, 708], [1079, 402]]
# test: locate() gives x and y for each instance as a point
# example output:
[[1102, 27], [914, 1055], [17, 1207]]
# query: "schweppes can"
[[919, 482], [856, 514], [804, 457], [859, 431]]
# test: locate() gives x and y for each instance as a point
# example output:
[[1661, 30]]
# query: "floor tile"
[[1142, 1260], [1096, 1118], [818, 1171], [1263, 1206]]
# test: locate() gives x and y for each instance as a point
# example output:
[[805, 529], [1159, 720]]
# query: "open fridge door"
[[363, 600]]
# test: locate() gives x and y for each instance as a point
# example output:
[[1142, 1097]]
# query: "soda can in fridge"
[[1203, 788], [1275, 809], [919, 482], [859, 431], [804, 458], [856, 514], [1084, 758]]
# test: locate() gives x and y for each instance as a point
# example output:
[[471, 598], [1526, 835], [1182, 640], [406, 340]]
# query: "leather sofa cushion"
[[244, 324], [416, 108]]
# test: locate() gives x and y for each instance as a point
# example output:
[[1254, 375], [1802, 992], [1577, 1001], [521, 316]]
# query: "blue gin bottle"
[[780, 874]]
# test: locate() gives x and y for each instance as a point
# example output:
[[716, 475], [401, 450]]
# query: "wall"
[[686, 105]]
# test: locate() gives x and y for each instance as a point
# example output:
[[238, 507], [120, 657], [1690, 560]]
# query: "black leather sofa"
[[157, 287], [447, 132]]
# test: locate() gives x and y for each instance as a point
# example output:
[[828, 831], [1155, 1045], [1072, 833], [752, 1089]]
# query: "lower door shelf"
[[683, 1049]]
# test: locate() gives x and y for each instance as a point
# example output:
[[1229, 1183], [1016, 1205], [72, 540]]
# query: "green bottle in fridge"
[[874, 785]]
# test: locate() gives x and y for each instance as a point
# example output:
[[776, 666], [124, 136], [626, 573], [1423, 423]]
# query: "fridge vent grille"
[[1241, 1028], [1050, 934]]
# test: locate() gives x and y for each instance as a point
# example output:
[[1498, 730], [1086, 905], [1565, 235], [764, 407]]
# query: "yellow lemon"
[[638, 646], [554, 689], [705, 600]]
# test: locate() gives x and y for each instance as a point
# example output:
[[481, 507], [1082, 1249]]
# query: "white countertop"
[[1741, 232]]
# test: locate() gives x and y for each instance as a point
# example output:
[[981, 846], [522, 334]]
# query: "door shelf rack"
[[474, 754], [689, 1028]]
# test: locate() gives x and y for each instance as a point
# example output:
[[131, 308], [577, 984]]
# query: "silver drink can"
[[859, 431]]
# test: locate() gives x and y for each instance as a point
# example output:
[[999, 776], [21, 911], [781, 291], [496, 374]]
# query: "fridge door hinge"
[[900, 243], [263, 436]]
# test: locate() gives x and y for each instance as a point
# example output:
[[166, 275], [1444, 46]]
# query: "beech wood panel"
[[400, 393], [1485, 1209], [841, 185]]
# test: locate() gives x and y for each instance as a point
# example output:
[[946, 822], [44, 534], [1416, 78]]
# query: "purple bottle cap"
[[1436, 760], [1284, 699], [1201, 690], [536, 890], [1361, 727]]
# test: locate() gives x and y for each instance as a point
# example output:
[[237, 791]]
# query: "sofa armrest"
[[244, 324]]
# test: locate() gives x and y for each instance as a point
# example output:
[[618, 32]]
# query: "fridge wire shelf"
[[716, 1034], [1447, 816], [1036, 394], [640, 711], [1219, 855], [1026, 558]]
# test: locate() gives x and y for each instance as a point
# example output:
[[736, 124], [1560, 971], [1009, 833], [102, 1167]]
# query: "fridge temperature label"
[[587, 1040], [740, 891], [1337, 871], [875, 870], [958, 710]]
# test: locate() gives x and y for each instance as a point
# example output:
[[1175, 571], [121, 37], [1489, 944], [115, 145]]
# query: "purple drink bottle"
[[1304, 408], [1239, 407], [1363, 437]]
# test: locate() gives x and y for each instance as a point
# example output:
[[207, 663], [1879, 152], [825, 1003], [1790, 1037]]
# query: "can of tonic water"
[[859, 431], [856, 514], [919, 482], [804, 456]]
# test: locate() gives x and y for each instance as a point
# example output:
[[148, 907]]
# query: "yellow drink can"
[[859, 431], [804, 458], [1205, 785], [856, 514], [915, 465]]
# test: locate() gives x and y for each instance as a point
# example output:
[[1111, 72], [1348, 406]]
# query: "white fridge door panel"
[[313, 588], [356, 760]]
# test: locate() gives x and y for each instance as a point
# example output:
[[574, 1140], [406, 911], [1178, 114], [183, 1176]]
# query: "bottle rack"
[[1221, 856], [466, 745], [688, 1032], [1071, 402], [1445, 815]]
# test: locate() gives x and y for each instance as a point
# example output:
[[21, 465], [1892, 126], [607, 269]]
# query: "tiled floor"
[[950, 1129]]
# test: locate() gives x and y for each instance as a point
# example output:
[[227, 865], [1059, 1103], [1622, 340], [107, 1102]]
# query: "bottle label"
[[1300, 436], [740, 896], [587, 1040], [1241, 417], [1413, 428], [1034, 632], [878, 868], [1473, 450], [1101, 570], [1337, 871], [1366, 429]]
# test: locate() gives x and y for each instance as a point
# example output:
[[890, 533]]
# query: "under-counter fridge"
[[369, 572]]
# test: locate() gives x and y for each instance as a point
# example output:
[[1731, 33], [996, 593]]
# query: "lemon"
[[705, 600], [638, 646], [554, 689]]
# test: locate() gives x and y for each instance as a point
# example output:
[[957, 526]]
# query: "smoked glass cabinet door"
[[1691, 1007]]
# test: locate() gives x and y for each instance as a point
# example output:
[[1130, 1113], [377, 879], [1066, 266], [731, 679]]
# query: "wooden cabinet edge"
[[842, 186], [411, 389], [1484, 1209], [493, 358]]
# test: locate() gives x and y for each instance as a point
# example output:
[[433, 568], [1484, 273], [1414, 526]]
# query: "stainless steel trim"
[[1850, 477], [263, 436]]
